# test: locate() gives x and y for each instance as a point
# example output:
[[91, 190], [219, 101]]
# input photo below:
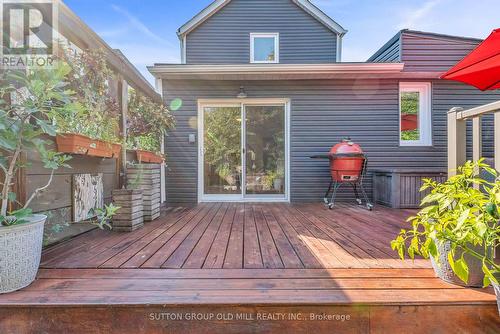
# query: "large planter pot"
[[443, 269], [148, 157], [497, 293], [73, 143], [20, 252]]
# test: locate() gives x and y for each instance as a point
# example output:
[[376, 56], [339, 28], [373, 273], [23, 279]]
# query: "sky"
[[145, 30]]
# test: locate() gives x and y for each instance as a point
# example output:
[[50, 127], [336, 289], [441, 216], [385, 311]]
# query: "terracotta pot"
[[117, 148], [79, 144], [99, 148], [148, 157], [73, 143]]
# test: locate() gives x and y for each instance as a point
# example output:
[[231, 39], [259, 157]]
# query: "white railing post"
[[496, 141], [477, 144], [456, 141]]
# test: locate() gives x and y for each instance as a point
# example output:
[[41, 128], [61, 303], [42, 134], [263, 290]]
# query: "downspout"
[[338, 57]]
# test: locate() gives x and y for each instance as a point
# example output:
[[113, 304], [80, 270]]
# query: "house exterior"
[[262, 88]]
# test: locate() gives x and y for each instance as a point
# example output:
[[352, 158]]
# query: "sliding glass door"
[[265, 150], [243, 152]]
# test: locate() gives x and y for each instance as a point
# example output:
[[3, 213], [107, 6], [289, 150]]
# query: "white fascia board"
[[210, 10], [320, 16], [215, 6], [278, 68]]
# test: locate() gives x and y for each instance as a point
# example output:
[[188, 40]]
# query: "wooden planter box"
[[148, 157], [130, 215], [147, 178], [400, 188], [73, 143]]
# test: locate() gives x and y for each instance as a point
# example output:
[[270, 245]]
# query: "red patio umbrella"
[[481, 68]]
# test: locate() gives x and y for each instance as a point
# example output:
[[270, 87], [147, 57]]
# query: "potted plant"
[[92, 126], [458, 227], [29, 101], [148, 122]]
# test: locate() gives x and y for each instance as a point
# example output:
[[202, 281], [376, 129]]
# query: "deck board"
[[246, 258], [245, 236]]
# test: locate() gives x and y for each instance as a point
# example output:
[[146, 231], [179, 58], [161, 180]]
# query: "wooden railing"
[[457, 137]]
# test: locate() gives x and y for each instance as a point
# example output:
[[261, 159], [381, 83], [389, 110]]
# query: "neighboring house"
[[262, 89]]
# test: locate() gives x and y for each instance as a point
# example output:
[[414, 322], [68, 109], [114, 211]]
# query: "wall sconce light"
[[242, 94]]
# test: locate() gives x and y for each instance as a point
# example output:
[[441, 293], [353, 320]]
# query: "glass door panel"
[[222, 150], [265, 150]]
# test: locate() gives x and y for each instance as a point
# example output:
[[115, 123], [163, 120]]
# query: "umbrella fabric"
[[481, 68]]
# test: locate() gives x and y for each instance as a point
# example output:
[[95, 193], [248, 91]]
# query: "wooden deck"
[[249, 236], [248, 260]]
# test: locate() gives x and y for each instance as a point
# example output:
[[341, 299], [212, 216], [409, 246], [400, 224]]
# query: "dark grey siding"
[[428, 53], [388, 53], [225, 37], [322, 112]]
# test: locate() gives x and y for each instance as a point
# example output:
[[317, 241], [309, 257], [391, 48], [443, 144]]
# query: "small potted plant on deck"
[[458, 227], [28, 102]]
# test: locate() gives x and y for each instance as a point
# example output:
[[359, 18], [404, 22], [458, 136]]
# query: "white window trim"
[[424, 114], [202, 103], [276, 37]]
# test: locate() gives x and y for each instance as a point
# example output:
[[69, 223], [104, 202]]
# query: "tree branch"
[[39, 190]]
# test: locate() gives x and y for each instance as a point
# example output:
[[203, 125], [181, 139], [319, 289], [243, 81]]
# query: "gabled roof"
[[397, 38], [217, 5]]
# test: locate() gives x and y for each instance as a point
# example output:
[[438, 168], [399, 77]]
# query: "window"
[[264, 48], [415, 114]]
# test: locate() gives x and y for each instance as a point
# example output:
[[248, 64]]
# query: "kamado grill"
[[347, 166]]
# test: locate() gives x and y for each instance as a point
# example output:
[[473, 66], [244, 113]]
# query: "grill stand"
[[335, 185]]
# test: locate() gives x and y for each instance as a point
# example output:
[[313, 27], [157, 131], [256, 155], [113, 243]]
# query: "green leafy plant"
[[29, 101], [464, 211], [104, 216], [148, 122], [97, 112]]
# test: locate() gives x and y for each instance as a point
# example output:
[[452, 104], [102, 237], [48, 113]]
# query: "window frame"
[[276, 37], [424, 112]]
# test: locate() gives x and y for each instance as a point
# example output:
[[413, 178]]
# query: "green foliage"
[[147, 142], [95, 112], [222, 140], [410, 135], [464, 211], [104, 216], [30, 100], [148, 122], [409, 103]]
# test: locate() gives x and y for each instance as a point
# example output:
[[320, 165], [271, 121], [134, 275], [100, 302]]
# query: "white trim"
[[424, 113], [241, 103], [339, 48], [276, 36], [163, 177], [217, 5], [333, 68], [183, 49], [320, 16]]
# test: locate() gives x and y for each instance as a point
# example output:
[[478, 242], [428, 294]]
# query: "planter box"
[[130, 215], [148, 157], [116, 150], [146, 177], [400, 188], [73, 143]]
